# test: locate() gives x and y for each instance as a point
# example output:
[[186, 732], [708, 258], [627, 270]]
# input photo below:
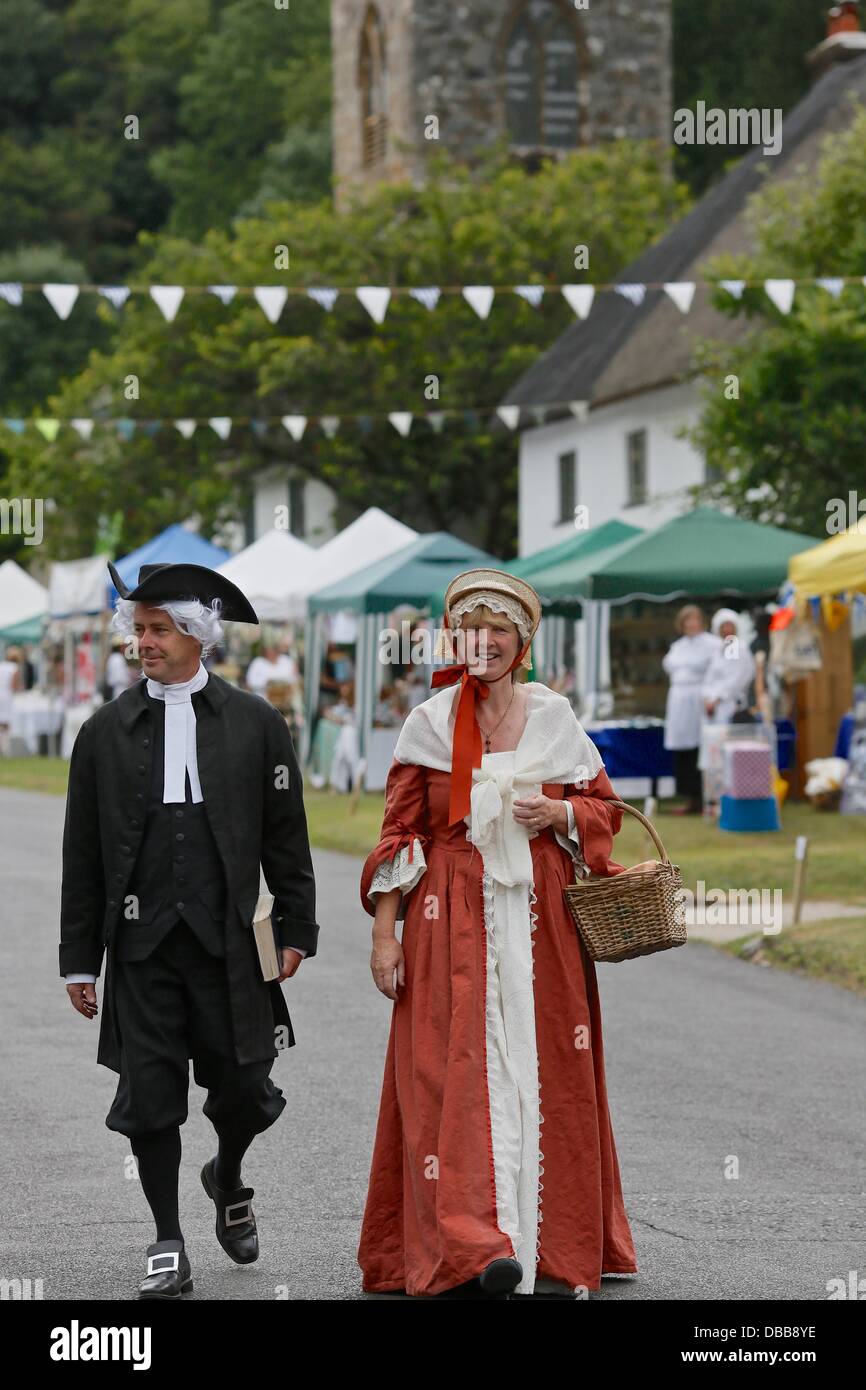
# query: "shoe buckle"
[[155, 1267], [244, 1207]]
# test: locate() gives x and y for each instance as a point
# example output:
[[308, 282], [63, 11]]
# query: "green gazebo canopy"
[[559, 561], [413, 575], [28, 631], [579, 545], [703, 552]]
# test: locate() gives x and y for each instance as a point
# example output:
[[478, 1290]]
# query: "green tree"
[[750, 53], [260, 79], [795, 437], [500, 226]]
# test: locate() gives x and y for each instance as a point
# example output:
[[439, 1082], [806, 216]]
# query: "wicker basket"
[[633, 913]]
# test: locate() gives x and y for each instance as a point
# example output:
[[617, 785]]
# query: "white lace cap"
[[497, 603]]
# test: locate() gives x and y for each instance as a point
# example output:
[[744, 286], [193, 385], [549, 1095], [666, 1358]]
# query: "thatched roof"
[[619, 350]]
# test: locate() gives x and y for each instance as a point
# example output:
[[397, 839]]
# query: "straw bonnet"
[[500, 591]]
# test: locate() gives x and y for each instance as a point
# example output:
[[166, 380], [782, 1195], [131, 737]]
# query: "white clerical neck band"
[[180, 741]]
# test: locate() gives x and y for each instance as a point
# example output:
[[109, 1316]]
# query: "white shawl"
[[554, 747]]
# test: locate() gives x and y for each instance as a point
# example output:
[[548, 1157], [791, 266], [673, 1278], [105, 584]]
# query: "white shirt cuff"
[[81, 979]]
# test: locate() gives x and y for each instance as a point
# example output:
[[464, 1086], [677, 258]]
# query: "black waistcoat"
[[178, 872]]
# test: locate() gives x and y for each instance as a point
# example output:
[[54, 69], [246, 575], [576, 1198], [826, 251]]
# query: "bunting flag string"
[[377, 299], [297, 426]]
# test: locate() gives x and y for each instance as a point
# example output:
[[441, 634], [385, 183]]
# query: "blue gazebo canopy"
[[175, 545]]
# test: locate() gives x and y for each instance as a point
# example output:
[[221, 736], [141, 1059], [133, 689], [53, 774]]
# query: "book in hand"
[[263, 931]]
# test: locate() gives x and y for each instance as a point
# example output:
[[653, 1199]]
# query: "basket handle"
[[647, 825]]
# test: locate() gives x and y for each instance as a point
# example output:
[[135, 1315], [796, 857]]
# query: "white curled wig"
[[190, 616]]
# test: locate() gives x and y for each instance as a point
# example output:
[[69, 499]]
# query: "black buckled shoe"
[[235, 1221], [501, 1277], [168, 1271]]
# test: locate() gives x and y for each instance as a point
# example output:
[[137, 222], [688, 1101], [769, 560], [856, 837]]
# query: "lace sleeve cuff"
[[571, 842], [399, 873]]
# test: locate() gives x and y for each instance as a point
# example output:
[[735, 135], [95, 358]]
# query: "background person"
[[10, 682], [686, 663], [731, 670]]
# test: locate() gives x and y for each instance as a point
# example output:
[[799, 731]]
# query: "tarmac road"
[[709, 1060]]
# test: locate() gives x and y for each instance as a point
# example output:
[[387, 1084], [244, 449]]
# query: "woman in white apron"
[[686, 663]]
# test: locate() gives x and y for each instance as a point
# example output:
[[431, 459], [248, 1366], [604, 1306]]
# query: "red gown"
[[431, 1220]]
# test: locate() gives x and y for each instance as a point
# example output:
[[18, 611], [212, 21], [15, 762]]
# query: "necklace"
[[488, 736]]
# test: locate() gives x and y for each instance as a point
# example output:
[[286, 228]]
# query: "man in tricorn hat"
[[179, 791]]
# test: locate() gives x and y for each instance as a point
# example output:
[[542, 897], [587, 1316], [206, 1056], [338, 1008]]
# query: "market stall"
[[630, 591], [23, 605], [408, 577], [827, 589]]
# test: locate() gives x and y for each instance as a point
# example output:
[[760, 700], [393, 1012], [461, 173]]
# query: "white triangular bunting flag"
[[509, 415], [428, 295], [579, 298], [221, 425], [185, 427], [295, 424], [734, 287], [436, 419], [12, 292], [61, 298], [533, 294], [479, 298], [82, 427], [682, 293], [579, 409], [116, 295], [168, 299], [225, 293], [325, 298], [782, 293], [270, 299], [635, 294], [402, 421], [375, 299], [833, 284], [330, 424]]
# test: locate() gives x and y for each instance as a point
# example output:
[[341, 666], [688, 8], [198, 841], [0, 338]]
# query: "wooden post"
[[801, 850], [650, 806]]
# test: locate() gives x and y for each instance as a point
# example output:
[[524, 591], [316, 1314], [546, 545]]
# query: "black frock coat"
[[253, 797]]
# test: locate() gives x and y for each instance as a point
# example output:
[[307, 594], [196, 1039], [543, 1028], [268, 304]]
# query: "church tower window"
[[542, 62], [374, 89]]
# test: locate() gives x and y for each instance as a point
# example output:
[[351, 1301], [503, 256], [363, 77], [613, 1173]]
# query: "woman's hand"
[[539, 812], [387, 960]]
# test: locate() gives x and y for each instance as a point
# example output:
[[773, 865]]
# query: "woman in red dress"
[[494, 1157]]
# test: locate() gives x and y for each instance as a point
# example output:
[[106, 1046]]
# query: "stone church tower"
[[413, 77]]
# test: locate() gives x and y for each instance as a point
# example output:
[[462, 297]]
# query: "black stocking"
[[158, 1154]]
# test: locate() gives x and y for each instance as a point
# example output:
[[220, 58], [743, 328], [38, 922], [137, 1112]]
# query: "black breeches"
[[171, 1007]]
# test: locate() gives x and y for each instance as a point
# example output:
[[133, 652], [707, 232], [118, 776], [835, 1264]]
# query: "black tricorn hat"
[[166, 583]]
